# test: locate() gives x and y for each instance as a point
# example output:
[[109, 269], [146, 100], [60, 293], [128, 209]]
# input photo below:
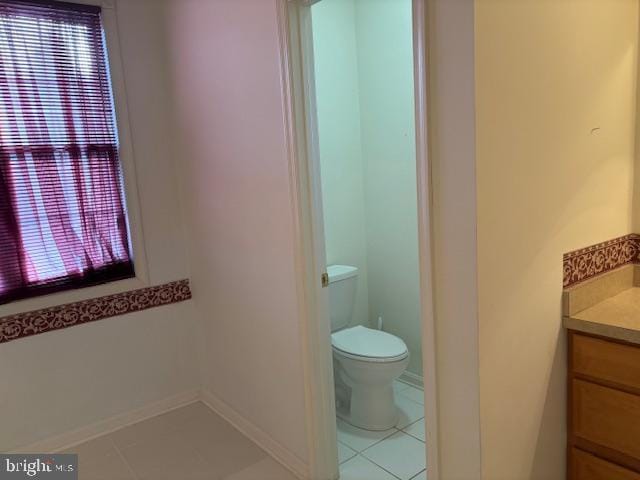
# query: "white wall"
[[59, 381], [338, 104], [387, 107], [238, 192], [363, 52], [225, 55], [547, 74]]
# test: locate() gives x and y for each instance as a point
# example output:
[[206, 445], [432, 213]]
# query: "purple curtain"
[[62, 212]]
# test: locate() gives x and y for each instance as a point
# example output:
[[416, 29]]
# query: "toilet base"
[[364, 392], [370, 409]]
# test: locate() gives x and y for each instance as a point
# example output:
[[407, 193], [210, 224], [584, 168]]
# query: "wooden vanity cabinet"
[[586, 466], [603, 409]]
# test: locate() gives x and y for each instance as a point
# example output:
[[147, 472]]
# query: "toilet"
[[365, 361]]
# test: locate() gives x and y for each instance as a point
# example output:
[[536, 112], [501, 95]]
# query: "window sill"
[[41, 320], [71, 296]]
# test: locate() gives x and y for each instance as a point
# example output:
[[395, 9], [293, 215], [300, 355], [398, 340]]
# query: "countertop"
[[617, 317]]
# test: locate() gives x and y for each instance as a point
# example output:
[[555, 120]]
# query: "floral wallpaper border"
[[586, 263], [26, 324]]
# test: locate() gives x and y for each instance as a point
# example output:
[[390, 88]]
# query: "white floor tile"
[[421, 476], [193, 412], [400, 454], [410, 411], [144, 431], [359, 439], [108, 468], [413, 393], [99, 460], [399, 386], [416, 430], [190, 443], [93, 449], [345, 453], [265, 469], [224, 448], [359, 468], [167, 457]]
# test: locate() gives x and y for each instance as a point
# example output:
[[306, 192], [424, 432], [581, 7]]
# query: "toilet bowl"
[[366, 362]]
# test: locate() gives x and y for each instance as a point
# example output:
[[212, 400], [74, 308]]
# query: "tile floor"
[[190, 443], [398, 453], [193, 443]]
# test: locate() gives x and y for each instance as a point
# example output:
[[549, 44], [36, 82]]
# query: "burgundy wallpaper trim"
[[586, 263], [39, 321]]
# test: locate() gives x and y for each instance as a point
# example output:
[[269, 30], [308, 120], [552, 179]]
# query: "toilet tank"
[[342, 294]]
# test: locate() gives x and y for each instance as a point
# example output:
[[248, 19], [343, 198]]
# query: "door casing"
[[296, 54]]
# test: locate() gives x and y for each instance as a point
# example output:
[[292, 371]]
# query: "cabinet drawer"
[[587, 467], [605, 416], [610, 361]]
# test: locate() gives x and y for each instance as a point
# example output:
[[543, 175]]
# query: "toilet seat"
[[368, 345]]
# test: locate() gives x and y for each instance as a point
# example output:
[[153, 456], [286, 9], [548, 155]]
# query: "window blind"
[[63, 221]]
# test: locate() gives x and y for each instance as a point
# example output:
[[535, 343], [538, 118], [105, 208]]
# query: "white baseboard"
[[279, 452], [97, 429], [412, 379]]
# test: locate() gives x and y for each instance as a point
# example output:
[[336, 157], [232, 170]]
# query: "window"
[[63, 220]]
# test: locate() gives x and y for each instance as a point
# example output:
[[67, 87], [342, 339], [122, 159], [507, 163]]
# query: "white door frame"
[[296, 55]]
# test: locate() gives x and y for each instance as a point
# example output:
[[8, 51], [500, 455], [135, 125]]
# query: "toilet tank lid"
[[341, 272]]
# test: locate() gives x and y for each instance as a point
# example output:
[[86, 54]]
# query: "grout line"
[[385, 437], [376, 442], [404, 429], [348, 446], [416, 475], [382, 439], [401, 431], [413, 423], [123, 458], [382, 468], [413, 436], [110, 431], [355, 454]]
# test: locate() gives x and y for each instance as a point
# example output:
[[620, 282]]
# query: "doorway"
[[357, 71]]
